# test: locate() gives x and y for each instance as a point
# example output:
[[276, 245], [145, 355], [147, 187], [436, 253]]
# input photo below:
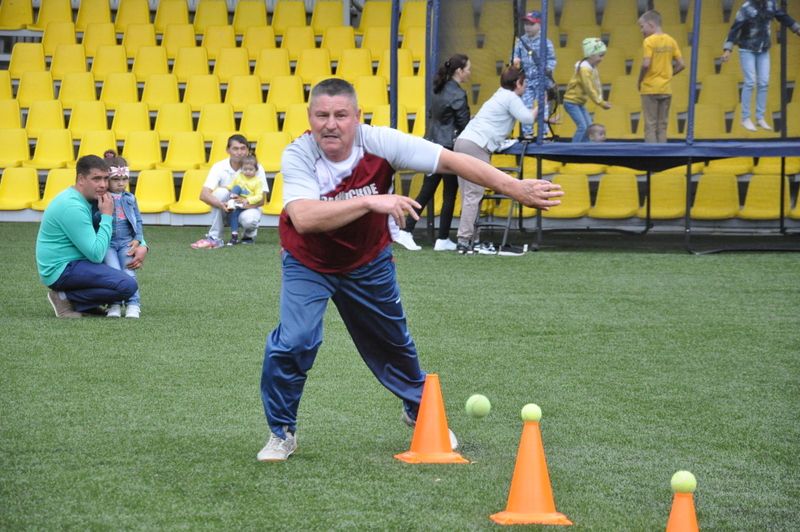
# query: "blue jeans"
[[89, 285], [117, 257], [755, 68], [582, 119], [368, 300]]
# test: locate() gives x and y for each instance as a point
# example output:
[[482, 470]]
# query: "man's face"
[[93, 184], [334, 121], [237, 151]]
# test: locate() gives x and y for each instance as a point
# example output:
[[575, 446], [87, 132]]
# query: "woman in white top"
[[484, 135]]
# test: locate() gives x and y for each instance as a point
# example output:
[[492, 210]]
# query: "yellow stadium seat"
[[248, 14], [95, 142], [217, 37], [578, 13], [185, 150], [33, 86], [269, 148], [190, 62], [58, 180], [372, 91], [272, 63], [618, 123], [150, 60], [231, 62], [576, 202], [613, 66], [67, 58], [131, 12], [44, 115], [96, 35], [376, 39], [418, 129], [258, 118], [624, 91], [109, 59], [285, 90], [202, 89], [57, 32], [668, 193], [5, 85], [137, 36], [414, 41], [178, 36], [763, 198], [173, 118], [772, 165], [338, 38], [529, 170], [87, 116], [256, 39], [295, 121], [155, 190], [243, 91], [25, 57], [720, 89], [296, 39], [709, 121], [710, 13], [131, 116], [52, 11], [354, 62], [210, 13], [76, 87], [731, 165], [670, 11], [274, 206], [53, 150], [619, 13], [189, 198], [313, 63], [617, 197], [142, 149], [16, 15], [288, 14], [119, 87], [381, 116], [716, 197], [411, 93], [376, 13], [326, 14], [160, 89], [19, 188], [412, 15], [583, 168], [405, 64], [565, 66], [170, 12], [92, 11], [215, 117], [14, 148], [576, 34]]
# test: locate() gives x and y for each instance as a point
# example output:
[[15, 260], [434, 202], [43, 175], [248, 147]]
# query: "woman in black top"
[[448, 113]]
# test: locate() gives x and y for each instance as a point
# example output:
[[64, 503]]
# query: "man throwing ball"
[[336, 246]]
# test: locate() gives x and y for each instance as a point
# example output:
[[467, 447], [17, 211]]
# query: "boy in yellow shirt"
[[662, 59]]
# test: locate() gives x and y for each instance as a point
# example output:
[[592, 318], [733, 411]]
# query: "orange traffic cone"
[[682, 517], [431, 441], [530, 499]]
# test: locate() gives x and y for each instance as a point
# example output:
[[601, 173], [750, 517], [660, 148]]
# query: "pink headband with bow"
[[118, 171]]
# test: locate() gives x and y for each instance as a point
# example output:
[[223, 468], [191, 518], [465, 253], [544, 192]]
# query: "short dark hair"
[[241, 139], [510, 77], [334, 87], [87, 163]]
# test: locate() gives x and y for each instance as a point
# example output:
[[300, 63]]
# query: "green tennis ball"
[[531, 412], [683, 482], [478, 406]]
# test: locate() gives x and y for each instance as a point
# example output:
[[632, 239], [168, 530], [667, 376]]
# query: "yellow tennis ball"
[[531, 412], [478, 406], [683, 482]]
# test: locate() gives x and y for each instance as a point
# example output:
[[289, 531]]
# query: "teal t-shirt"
[[67, 234]]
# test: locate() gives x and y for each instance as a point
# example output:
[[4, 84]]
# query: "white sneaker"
[[406, 239], [444, 244], [278, 449], [748, 125], [411, 423], [763, 124], [114, 311], [132, 311]]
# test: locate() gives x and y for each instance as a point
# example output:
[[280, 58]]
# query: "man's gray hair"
[[334, 87]]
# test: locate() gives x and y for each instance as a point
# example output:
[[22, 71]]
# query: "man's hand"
[[223, 205], [132, 246], [138, 254], [537, 193], [105, 204], [726, 55], [395, 206]]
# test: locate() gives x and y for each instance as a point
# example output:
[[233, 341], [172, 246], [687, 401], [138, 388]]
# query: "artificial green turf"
[[643, 363]]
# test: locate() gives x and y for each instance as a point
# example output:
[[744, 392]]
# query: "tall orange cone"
[[431, 441], [682, 517], [530, 499]]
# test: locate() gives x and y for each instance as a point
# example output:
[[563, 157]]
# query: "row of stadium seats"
[[715, 198], [17, 15]]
